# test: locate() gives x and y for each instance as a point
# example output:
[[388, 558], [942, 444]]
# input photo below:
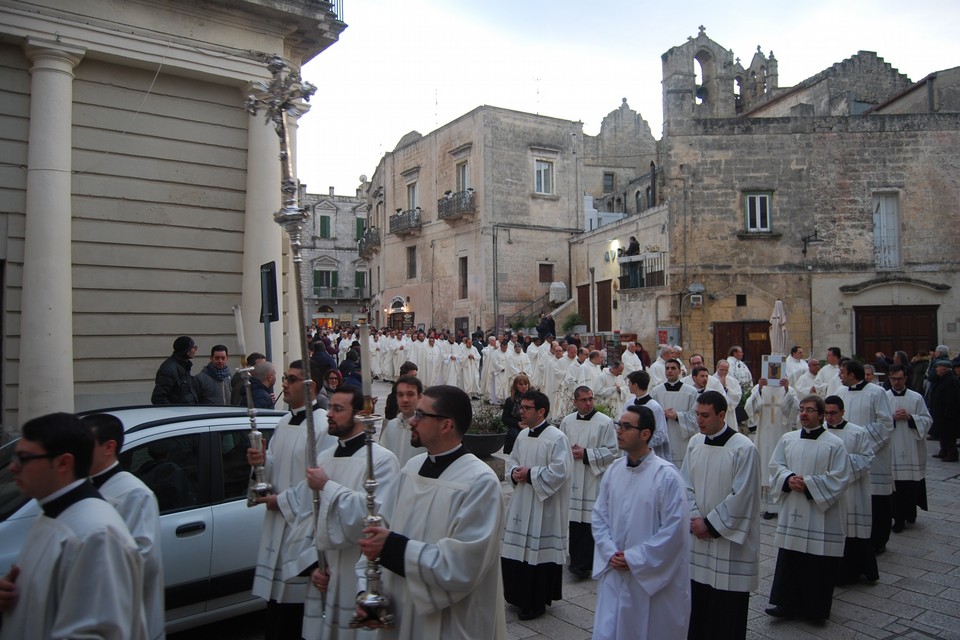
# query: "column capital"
[[52, 54]]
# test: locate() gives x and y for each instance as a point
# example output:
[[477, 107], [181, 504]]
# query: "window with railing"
[[643, 271]]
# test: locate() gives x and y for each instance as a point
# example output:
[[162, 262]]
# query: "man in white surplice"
[[614, 391], [588, 375], [593, 443], [441, 551], [631, 361], [732, 392], [470, 369], [722, 475], [338, 480], [534, 544], [858, 556], [795, 366], [395, 435], [679, 403], [450, 356], [78, 573], [828, 378], [138, 507], [809, 472], [911, 424], [430, 362], [284, 546], [640, 524]]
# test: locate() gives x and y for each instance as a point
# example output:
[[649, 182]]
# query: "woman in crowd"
[[511, 410]]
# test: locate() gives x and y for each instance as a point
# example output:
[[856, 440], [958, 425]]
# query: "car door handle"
[[188, 529]]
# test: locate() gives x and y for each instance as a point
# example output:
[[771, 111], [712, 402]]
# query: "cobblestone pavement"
[[917, 597]]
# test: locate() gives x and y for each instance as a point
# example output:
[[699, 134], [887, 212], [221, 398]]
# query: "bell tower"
[[697, 82]]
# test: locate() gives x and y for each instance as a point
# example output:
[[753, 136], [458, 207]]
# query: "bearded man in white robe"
[[138, 507], [338, 478], [679, 406], [774, 410], [440, 554], [283, 546], [911, 424], [79, 573], [858, 556], [534, 545], [470, 369], [722, 475], [809, 472], [593, 442], [640, 524]]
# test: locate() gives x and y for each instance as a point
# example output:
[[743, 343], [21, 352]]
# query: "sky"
[[404, 65]]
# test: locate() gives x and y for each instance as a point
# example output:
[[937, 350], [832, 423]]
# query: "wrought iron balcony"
[[340, 293], [405, 222], [369, 243], [643, 271], [456, 205]]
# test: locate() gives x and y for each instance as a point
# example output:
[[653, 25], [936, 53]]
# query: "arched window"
[[639, 201]]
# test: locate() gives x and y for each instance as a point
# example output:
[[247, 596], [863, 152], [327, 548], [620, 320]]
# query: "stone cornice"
[[882, 280]]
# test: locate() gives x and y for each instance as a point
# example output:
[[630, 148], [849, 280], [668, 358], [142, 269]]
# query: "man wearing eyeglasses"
[[284, 460], [911, 423], [640, 524], [441, 551], [79, 575], [535, 538], [721, 472], [679, 402], [809, 471]]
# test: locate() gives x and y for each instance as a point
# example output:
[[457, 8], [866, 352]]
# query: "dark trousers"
[[859, 559], [803, 584], [284, 621], [531, 587], [882, 520], [716, 614], [909, 495], [581, 547]]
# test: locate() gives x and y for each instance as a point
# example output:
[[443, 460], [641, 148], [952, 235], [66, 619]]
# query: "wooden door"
[[605, 305], [753, 336], [583, 304], [894, 328]]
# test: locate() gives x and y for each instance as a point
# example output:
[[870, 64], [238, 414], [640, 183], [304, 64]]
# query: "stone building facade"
[[335, 279], [838, 196], [137, 192], [470, 223]]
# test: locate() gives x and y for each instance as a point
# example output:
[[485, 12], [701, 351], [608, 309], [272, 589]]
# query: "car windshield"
[[10, 497]]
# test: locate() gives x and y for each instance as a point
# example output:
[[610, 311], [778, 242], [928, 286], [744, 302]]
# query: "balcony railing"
[[368, 243], [405, 222], [340, 293], [456, 205], [643, 271]]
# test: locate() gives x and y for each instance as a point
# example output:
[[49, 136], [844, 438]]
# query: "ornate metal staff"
[[373, 601], [277, 100], [258, 487]]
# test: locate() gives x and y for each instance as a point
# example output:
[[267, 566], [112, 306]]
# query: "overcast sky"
[[405, 65]]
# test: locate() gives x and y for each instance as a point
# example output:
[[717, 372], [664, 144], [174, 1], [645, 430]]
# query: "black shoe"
[[779, 612], [530, 615], [879, 549], [897, 526], [766, 515], [938, 454], [912, 520]]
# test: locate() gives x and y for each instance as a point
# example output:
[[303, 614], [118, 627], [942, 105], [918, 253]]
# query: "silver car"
[[195, 460]]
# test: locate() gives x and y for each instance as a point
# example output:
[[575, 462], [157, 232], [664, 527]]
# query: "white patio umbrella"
[[778, 329]]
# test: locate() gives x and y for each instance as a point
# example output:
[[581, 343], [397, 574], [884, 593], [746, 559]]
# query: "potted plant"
[[487, 432]]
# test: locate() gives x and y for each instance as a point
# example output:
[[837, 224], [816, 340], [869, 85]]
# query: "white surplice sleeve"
[[828, 487], [340, 518], [547, 480], [733, 516], [650, 562], [600, 457]]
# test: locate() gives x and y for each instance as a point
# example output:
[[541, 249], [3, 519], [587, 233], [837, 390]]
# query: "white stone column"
[[261, 235], [46, 320]]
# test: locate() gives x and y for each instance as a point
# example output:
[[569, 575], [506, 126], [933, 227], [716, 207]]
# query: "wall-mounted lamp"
[[811, 240]]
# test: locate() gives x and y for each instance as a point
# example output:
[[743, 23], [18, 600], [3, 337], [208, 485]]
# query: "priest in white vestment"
[[517, 363], [911, 424], [401, 351], [794, 365], [417, 345], [722, 475], [376, 355], [638, 382], [486, 367], [858, 556], [470, 369], [338, 479], [679, 405], [550, 367], [732, 391], [806, 383], [395, 435], [657, 370], [534, 546], [430, 362], [138, 507], [563, 391], [828, 378], [640, 523], [78, 573], [451, 355], [867, 406], [386, 356], [774, 411], [631, 360], [533, 353], [500, 374], [588, 375], [440, 554], [593, 442], [809, 472], [284, 546], [613, 390]]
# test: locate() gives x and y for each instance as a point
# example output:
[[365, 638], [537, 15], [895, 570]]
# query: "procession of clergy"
[[661, 506]]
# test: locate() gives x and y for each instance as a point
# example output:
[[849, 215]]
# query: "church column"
[[262, 240], [46, 321]]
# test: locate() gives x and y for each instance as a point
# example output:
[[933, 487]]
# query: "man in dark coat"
[[173, 383], [944, 401]]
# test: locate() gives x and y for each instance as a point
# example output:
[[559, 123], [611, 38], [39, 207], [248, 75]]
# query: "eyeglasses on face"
[[292, 379], [527, 407], [420, 415], [21, 459], [623, 426]]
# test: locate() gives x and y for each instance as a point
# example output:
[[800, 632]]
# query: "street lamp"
[[811, 240]]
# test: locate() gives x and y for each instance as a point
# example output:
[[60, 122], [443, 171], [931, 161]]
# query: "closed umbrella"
[[778, 329]]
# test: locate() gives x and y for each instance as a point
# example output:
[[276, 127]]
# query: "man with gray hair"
[[631, 361], [262, 379], [656, 370]]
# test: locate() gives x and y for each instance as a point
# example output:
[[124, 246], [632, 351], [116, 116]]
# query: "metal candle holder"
[[258, 487], [373, 600]]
